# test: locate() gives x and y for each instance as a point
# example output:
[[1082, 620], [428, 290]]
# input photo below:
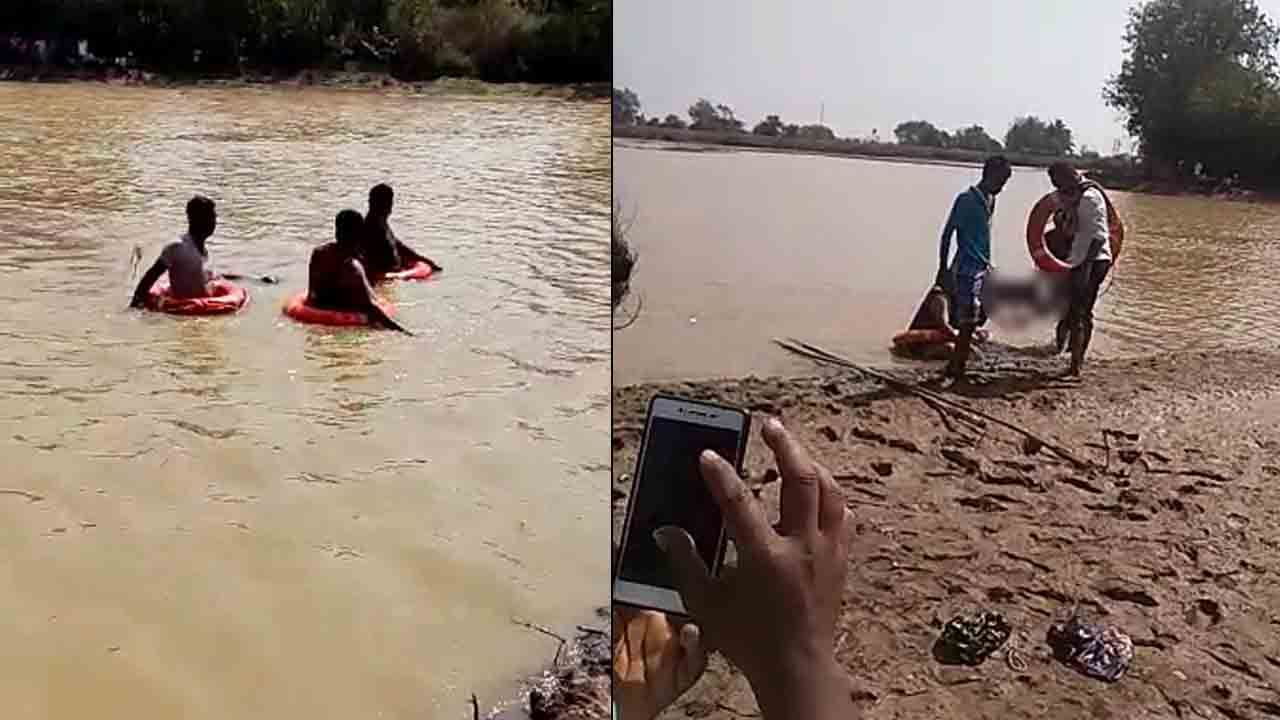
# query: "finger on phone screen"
[[801, 479], [690, 573], [742, 514]]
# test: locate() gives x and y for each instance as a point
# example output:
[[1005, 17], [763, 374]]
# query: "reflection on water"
[[737, 248], [246, 517]]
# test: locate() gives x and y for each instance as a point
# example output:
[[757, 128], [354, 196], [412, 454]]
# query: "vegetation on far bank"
[[534, 41], [1199, 87]]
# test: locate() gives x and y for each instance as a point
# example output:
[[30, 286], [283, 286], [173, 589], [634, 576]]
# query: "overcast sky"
[[875, 64]]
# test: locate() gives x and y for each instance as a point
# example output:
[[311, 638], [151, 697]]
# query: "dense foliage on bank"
[[550, 41], [1200, 87]]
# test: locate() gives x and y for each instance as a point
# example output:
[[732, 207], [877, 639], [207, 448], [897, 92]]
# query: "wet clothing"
[[967, 307], [185, 263], [380, 248], [1084, 218], [970, 222]]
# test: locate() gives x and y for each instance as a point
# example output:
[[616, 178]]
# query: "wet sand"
[[1167, 530]]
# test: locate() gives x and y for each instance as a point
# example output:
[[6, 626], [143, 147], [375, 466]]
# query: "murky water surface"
[[737, 248], [249, 518]]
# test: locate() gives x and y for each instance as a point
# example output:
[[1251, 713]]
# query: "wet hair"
[[995, 164], [381, 196], [623, 261], [347, 227], [200, 207]]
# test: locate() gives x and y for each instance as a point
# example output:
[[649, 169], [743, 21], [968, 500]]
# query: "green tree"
[[706, 116], [626, 106], [771, 126], [816, 132], [674, 121], [1032, 135], [975, 137], [922, 133], [1199, 82]]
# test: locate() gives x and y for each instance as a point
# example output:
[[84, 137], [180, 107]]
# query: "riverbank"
[[1111, 173], [1164, 527], [305, 78]]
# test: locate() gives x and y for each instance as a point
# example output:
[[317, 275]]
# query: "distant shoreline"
[[1108, 172], [339, 79]]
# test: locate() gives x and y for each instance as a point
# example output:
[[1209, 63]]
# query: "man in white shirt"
[[1083, 218], [184, 260]]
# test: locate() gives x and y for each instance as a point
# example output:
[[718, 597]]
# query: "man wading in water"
[[381, 250], [1083, 219], [970, 222], [184, 260], [337, 280]]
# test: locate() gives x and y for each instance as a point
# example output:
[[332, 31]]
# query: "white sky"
[[875, 64]]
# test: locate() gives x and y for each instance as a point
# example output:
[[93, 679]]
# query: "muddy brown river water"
[[737, 248], [248, 518]]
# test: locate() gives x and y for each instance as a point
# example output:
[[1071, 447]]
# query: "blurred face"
[[997, 179], [1063, 179], [204, 224]]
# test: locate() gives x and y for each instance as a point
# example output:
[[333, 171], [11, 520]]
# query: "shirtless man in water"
[[185, 259], [380, 249], [337, 279]]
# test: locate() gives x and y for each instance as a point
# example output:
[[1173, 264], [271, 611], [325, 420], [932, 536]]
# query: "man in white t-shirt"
[[1084, 220], [184, 260]]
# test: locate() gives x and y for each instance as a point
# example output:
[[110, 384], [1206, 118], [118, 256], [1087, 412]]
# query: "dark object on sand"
[[1097, 651], [968, 640]]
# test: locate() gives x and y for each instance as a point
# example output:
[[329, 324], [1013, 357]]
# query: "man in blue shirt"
[[970, 222]]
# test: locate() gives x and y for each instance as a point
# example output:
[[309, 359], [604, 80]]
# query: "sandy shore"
[[1167, 529]]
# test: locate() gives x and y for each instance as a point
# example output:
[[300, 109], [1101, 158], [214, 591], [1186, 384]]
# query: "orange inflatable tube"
[[417, 271], [923, 337], [1038, 221], [296, 307], [224, 298]]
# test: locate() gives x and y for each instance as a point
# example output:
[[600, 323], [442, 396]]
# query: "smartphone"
[[669, 490]]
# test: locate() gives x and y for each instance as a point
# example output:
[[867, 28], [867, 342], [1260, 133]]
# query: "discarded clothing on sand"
[[1097, 651], [970, 639]]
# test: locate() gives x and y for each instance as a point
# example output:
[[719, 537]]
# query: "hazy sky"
[[875, 64]]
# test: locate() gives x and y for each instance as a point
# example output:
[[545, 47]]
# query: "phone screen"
[[669, 490]]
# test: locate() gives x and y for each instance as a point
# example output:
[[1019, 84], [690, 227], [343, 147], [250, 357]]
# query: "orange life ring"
[[923, 337], [1038, 220], [224, 297], [296, 307], [416, 271]]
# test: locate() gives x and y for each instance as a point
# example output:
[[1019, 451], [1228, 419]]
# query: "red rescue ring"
[[1038, 220], [923, 337], [224, 297], [296, 307], [416, 271]]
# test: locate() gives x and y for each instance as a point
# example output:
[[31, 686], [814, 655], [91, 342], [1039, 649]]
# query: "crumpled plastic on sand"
[[968, 640], [1097, 651]]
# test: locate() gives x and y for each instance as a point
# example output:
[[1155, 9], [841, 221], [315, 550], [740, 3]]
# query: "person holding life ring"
[[184, 261], [1082, 218], [970, 222]]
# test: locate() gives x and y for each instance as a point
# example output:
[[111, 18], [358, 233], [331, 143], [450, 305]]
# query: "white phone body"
[[674, 427]]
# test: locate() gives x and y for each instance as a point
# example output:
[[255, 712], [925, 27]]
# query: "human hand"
[[653, 662], [775, 616]]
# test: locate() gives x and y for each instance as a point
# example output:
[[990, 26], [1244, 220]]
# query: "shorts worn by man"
[[184, 261], [970, 223]]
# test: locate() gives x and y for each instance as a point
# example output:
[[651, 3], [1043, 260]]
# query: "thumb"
[[688, 570]]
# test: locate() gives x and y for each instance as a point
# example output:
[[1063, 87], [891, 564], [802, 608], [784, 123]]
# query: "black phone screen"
[[669, 490]]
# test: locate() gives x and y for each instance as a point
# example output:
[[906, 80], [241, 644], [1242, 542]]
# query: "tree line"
[[551, 41], [1029, 135]]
